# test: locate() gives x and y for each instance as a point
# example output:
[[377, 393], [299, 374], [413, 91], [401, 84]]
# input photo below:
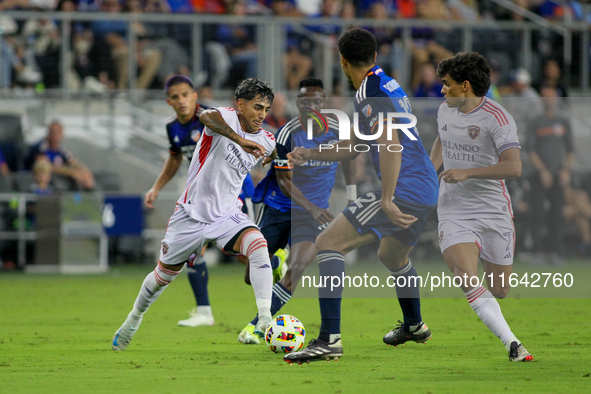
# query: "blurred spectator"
[[62, 161], [577, 210], [523, 102], [4, 170], [153, 36], [42, 178], [464, 10], [388, 57], [239, 41], [13, 59], [425, 47], [551, 151], [277, 115], [551, 77], [43, 37], [111, 49], [493, 90], [429, 85]]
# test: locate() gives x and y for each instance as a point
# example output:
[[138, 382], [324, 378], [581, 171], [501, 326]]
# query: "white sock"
[[204, 310], [154, 284], [254, 246], [488, 310]]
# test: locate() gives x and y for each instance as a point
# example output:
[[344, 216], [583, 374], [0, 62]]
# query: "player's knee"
[[500, 292], [254, 246], [325, 242]]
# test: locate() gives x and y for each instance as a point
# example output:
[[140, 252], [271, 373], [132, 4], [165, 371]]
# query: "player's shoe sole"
[[317, 350], [124, 334], [518, 353], [197, 320], [400, 335], [280, 271]]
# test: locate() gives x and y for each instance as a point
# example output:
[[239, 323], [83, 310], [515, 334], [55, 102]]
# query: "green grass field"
[[55, 334]]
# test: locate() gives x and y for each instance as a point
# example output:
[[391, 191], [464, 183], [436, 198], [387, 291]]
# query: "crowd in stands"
[[100, 51]]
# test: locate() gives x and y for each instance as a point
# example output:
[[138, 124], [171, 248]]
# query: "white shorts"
[[494, 237], [186, 236]]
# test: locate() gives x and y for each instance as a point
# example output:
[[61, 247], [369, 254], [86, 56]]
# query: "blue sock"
[[275, 262], [330, 264], [198, 277], [408, 295], [279, 298]]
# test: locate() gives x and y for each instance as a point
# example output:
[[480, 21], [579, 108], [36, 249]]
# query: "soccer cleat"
[[518, 353], [317, 350], [261, 326], [281, 269], [399, 335], [124, 334], [247, 336], [197, 319]]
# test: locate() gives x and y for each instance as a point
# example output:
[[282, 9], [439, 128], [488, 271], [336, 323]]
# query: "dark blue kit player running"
[[395, 214]]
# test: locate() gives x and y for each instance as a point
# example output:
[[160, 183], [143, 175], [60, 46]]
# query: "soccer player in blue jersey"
[[184, 130], [394, 214], [296, 200]]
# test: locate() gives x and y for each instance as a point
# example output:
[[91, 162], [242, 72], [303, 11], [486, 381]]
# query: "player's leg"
[[198, 277], [394, 255], [182, 238], [339, 238]]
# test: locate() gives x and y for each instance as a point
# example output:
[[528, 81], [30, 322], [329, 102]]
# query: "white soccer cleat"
[[124, 334], [261, 326], [197, 319], [247, 336]]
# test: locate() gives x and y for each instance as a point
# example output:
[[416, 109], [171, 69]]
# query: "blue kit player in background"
[[184, 130], [394, 214], [295, 203]]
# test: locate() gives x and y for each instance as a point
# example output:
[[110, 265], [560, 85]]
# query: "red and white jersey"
[[470, 140], [218, 169]]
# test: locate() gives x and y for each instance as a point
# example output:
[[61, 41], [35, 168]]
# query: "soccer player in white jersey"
[[478, 148], [209, 209]]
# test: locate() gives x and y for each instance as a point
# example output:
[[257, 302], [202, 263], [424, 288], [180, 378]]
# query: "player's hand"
[[298, 156], [396, 216], [546, 178], [252, 147], [453, 175], [270, 158], [322, 216], [150, 197]]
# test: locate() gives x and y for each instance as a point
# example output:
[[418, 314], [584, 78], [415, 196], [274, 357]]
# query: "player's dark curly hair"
[[254, 87], [467, 66], [311, 82], [177, 80], [358, 47]]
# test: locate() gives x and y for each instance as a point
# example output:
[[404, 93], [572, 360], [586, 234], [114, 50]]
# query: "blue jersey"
[[378, 93], [184, 137], [314, 179]]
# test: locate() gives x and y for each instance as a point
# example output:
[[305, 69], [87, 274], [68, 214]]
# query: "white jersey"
[[218, 169], [471, 140]]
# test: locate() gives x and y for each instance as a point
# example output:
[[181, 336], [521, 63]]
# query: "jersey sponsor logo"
[[164, 248], [195, 135], [473, 132], [367, 110]]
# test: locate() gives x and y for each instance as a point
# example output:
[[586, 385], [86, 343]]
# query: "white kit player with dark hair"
[[209, 209], [478, 148]]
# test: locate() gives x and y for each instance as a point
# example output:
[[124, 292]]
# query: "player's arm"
[[216, 123], [508, 167], [341, 151], [284, 179], [390, 163], [169, 169], [436, 155]]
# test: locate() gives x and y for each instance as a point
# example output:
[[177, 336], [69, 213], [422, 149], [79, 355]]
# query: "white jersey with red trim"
[[218, 169], [470, 140]]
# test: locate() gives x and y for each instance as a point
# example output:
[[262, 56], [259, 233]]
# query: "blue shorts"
[[304, 227], [275, 227], [366, 215]]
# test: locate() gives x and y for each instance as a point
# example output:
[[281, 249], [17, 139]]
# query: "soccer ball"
[[285, 334]]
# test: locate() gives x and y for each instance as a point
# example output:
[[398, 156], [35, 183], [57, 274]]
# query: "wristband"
[[351, 192]]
